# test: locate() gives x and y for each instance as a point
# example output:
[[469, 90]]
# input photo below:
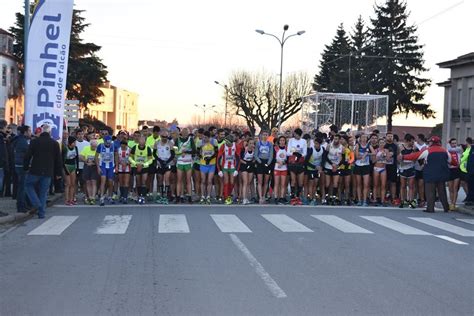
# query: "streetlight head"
[[301, 32], [260, 32], [286, 27], [216, 82]]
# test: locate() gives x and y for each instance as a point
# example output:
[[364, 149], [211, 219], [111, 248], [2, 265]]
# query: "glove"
[[220, 174], [236, 173]]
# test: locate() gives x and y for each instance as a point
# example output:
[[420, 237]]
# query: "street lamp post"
[[282, 42], [204, 108], [226, 99]]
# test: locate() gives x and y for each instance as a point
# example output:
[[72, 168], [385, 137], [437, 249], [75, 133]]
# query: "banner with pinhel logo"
[[46, 64]]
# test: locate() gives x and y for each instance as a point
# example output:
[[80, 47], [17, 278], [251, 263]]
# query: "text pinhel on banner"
[[46, 64]]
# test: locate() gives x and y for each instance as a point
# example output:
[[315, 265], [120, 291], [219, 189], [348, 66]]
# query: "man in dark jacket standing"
[[44, 157], [435, 172], [3, 157], [20, 146]]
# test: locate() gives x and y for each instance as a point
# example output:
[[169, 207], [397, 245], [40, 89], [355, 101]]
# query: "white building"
[[11, 102], [458, 98]]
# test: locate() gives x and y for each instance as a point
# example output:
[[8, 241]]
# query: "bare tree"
[[254, 97]]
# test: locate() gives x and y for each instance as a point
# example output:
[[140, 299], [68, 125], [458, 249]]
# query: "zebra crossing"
[[231, 223]]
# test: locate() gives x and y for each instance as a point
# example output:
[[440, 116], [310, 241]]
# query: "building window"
[[12, 86], [10, 45], [4, 75], [470, 96]]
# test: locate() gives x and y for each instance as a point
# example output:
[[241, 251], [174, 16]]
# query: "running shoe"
[[102, 201], [202, 201], [412, 204], [228, 201], [208, 200], [365, 204]]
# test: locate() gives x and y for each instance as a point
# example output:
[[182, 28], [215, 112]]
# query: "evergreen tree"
[[397, 61], [360, 73], [333, 75], [86, 72]]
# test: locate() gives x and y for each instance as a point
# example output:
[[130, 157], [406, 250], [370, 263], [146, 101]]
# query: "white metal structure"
[[357, 112]]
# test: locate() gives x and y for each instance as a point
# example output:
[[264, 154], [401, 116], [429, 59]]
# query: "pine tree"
[[398, 61], [360, 73], [333, 75], [86, 72]]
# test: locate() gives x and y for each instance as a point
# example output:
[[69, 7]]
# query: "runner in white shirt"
[[80, 144], [296, 150], [332, 160]]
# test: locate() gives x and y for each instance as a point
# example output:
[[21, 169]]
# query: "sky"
[[171, 52]]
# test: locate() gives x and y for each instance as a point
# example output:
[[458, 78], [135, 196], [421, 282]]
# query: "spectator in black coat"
[[43, 162], [20, 146], [3, 157]]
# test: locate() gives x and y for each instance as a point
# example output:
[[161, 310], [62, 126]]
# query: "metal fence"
[[357, 112]]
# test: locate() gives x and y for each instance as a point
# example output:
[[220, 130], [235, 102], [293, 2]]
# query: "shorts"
[[280, 173], [262, 169], [380, 170], [312, 174], [419, 174], [206, 169], [392, 173], [90, 173], [136, 173], [296, 169], [70, 169], [107, 173], [152, 169], [196, 167], [463, 176], [454, 173], [164, 170], [345, 172], [229, 171], [407, 173], [185, 167], [331, 173], [247, 167], [362, 170]]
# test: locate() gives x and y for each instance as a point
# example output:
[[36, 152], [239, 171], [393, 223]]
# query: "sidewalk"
[[8, 205]]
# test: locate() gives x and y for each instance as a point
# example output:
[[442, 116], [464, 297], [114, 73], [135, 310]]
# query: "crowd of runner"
[[226, 166]]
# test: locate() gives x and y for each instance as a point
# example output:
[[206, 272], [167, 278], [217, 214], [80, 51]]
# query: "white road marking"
[[54, 226], [286, 224], [114, 224], [173, 223], [267, 279], [466, 220], [444, 226], [229, 223], [341, 224], [451, 240], [396, 226]]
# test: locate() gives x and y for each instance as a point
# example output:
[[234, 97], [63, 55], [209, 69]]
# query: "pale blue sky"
[[171, 52]]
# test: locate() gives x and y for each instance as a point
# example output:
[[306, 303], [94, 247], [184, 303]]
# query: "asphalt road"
[[192, 260]]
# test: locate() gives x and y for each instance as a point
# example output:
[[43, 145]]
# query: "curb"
[[466, 210], [22, 216]]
